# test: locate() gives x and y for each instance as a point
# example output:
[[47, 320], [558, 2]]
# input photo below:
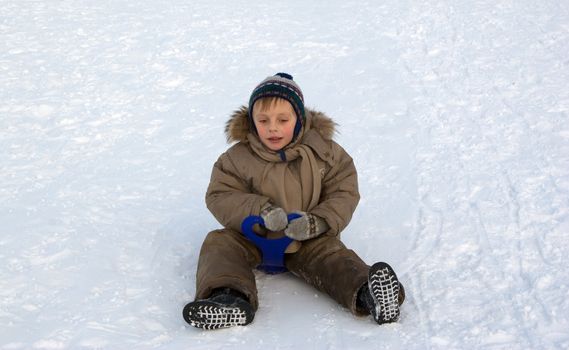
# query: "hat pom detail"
[[284, 75]]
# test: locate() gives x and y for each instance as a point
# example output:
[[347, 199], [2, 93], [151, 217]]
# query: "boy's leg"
[[226, 294], [327, 264], [227, 259]]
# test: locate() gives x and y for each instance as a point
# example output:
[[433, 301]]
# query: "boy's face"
[[275, 125]]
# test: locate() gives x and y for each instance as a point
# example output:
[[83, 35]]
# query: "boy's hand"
[[275, 218], [306, 227]]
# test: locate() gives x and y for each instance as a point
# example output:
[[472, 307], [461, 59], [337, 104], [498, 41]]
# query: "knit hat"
[[280, 85]]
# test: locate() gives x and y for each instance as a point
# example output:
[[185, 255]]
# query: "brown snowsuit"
[[313, 174]]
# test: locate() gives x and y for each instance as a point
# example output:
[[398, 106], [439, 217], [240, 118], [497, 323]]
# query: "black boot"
[[382, 295], [224, 308]]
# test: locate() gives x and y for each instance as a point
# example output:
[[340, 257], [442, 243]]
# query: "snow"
[[112, 114]]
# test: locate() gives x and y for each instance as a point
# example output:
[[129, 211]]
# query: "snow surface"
[[112, 114]]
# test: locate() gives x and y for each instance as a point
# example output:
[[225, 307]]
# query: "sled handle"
[[272, 249]]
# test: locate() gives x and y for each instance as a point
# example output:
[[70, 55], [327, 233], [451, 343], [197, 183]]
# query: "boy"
[[285, 161]]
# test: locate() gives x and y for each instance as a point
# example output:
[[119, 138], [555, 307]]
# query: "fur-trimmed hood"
[[237, 127]]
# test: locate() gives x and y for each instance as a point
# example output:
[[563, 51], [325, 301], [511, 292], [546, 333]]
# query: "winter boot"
[[382, 295], [224, 308]]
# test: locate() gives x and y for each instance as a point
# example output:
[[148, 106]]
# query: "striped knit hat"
[[280, 85]]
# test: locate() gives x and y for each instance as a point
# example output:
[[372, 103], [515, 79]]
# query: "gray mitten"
[[275, 218], [306, 227]]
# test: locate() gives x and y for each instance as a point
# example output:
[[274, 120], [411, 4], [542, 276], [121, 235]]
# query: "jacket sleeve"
[[340, 194], [229, 197]]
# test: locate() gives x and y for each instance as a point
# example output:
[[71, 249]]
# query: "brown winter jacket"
[[317, 175]]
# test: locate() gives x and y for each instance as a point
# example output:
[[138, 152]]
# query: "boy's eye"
[[284, 120]]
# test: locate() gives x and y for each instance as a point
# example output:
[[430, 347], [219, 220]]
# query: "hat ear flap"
[[297, 128], [251, 121]]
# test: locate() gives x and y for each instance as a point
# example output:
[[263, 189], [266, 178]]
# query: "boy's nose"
[[273, 126]]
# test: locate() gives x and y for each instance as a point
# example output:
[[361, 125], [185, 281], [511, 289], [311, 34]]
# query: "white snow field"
[[455, 112]]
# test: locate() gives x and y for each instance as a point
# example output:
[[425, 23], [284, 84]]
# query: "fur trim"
[[237, 127]]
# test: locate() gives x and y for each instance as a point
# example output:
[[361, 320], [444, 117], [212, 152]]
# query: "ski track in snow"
[[456, 115]]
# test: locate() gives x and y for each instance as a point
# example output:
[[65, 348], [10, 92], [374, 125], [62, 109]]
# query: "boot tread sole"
[[207, 314], [384, 288]]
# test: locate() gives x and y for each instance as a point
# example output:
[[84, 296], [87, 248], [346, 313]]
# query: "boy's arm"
[[229, 197], [340, 195]]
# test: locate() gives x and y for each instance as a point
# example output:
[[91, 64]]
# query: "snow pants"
[[228, 258]]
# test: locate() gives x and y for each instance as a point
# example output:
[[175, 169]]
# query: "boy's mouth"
[[275, 139]]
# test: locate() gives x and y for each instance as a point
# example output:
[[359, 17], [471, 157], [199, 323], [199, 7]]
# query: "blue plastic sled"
[[273, 250]]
